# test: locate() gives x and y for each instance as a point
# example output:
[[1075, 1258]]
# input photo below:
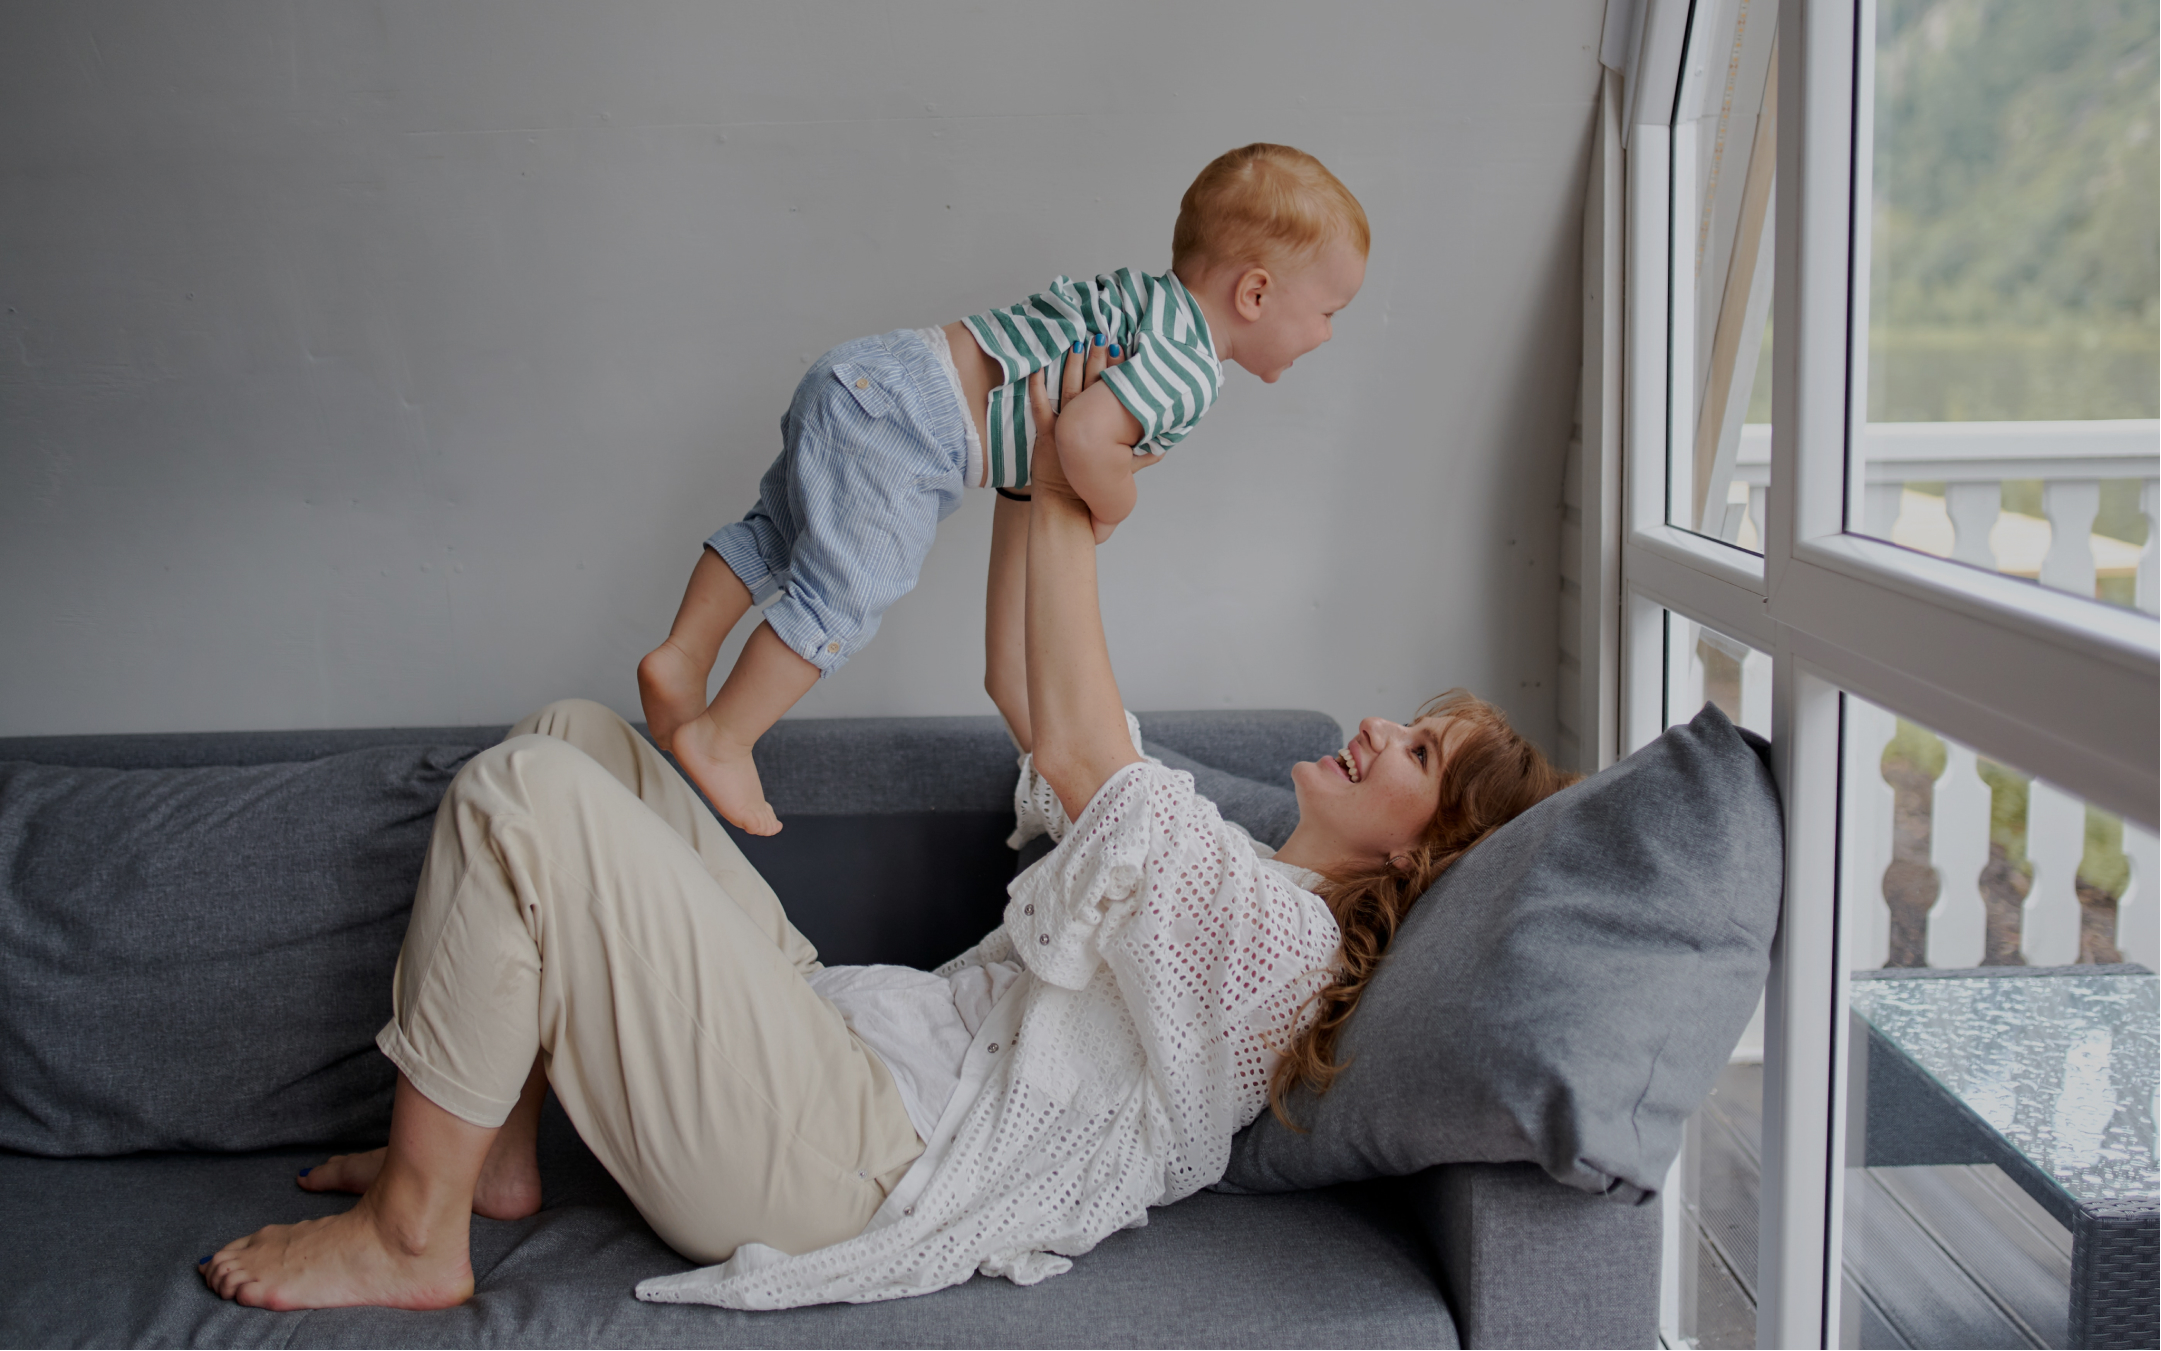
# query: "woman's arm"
[[1005, 611], [1078, 719]]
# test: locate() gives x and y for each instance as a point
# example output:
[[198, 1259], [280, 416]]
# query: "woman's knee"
[[567, 720], [521, 772]]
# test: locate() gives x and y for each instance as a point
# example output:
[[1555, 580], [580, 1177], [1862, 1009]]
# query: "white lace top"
[[1166, 962]]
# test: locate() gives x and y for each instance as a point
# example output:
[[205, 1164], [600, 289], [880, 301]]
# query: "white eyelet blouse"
[[1165, 961]]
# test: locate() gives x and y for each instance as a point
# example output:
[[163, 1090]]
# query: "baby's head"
[[1273, 245]]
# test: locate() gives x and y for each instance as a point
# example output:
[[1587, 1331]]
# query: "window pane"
[[1725, 148], [1717, 1176], [2011, 379], [2003, 1054]]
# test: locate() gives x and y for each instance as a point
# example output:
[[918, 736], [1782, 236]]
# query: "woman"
[[582, 921]]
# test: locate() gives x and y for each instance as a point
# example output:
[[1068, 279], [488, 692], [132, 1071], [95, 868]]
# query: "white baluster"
[[1958, 847], [2070, 505], [1973, 508], [2055, 840], [1868, 825], [1756, 692], [2149, 575], [2138, 919], [1879, 509]]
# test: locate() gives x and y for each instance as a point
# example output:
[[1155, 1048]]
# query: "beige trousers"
[[579, 903]]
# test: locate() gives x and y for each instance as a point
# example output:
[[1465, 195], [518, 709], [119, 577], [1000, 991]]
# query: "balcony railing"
[[1968, 463], [1977, 864]]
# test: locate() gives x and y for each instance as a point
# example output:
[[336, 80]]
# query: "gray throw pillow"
[[200, 958], [1567, 992]]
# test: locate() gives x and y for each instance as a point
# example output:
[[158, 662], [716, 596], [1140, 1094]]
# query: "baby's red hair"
[[1263, 204]]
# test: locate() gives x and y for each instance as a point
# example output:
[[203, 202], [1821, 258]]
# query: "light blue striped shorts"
[[874, 454]]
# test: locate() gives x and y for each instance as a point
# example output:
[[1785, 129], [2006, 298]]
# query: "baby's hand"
[[1103, 528]]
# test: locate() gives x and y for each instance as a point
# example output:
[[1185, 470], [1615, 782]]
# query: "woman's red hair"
[[1491, 776]]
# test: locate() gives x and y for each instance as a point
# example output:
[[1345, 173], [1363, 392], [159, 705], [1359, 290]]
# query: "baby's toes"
[[761, 820]]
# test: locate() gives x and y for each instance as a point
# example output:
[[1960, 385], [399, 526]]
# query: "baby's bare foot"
[[508, 1189], [726, 774], [340, 1261], [671, 688]]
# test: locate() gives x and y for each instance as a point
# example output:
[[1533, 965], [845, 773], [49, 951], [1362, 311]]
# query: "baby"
[[885, 434]]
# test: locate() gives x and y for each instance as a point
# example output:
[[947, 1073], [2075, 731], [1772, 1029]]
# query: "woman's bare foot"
[[344, 1260], [343, 1172], [724, 770], [509, 1186], [671, 689]]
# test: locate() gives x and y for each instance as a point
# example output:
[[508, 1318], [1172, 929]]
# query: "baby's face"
[[1296, 312]]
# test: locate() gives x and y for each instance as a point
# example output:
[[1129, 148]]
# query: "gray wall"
[[372, 363]]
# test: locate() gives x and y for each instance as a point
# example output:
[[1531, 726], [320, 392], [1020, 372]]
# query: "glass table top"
[[2062, 1065]]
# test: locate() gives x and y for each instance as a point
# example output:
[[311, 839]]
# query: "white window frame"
[[2067, 691]]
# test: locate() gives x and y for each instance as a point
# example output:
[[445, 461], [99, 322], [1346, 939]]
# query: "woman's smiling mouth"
[[1346, 761]]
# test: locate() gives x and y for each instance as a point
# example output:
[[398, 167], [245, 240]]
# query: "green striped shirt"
[[1169, 378]]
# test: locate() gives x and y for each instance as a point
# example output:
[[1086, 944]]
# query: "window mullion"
[[1804, 1033]]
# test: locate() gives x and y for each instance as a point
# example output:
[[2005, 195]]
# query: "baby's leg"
[[671, 678], [714, 747]]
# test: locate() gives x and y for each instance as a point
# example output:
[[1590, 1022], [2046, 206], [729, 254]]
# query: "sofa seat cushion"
[[1566, 993], [198, 958], [105, 1249]]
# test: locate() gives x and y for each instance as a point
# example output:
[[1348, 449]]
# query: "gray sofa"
[[132, 1029]]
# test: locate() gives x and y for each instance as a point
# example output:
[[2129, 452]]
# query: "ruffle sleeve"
[[1037, 810]]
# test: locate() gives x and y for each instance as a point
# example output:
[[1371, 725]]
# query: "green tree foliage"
[[2104, 866], [2008, 791], [2016, 197], [1915, 746]]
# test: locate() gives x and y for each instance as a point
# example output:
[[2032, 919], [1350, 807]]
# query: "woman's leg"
[[406, 1245], [558, 914], [632, 761], [509, 1186]]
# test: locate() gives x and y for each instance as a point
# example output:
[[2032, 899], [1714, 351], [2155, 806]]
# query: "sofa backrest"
[[894, 846], [277, 867]]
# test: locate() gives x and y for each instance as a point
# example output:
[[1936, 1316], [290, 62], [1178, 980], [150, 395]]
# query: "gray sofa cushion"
[[1566, 993], [106, 1246], [198, 958]]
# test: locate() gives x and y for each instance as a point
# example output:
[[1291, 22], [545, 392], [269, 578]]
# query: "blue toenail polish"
[[305, 1171], [204, 1260]]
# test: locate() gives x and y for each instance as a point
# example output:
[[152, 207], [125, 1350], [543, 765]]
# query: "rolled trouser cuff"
[[480, 1109], [797, 624], [754, 552]]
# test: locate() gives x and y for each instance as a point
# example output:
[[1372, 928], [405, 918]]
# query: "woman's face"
[[1372, 799]]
